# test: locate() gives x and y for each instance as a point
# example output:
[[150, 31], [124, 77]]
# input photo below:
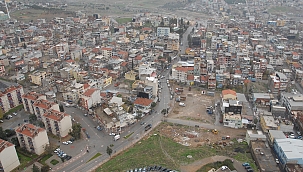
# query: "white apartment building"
[[107, 52], [153, 82], [41, 106], [62, 49], [10, 95], [90, 98], [29, 99], [163, 31], [32, 138], [58, 123], [180, 73], [8, 156]]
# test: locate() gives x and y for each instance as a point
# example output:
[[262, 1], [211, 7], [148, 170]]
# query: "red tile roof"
[[204, 78], [138, 57], [190, 77], [4, 144], [296, 65], [55, 115], [184, 69], [89, 92], [105, 48], [29, 130], [85, 86], [31, 95], [225, 92], [44, 104], [143, 101], [123, 64]]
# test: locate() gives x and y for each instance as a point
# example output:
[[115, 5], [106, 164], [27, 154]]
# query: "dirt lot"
[[195, 106]]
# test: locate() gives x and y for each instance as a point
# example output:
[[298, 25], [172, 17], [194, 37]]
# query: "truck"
[[148, 127], [117, 137]]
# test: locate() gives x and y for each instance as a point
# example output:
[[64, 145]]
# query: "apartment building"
[[90, 98], [29, 99], [180, 73], [62, 49], [37, 77], [58, 123], [10, 95], [8, 156], [163, 31], [107, 52], [173, 42], [292, 101], [32, 138], [268, 123], [41, 106], [278, 82]]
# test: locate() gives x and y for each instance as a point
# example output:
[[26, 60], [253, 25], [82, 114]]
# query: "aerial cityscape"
[[140, 86]]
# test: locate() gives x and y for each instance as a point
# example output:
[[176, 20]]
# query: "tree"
[[109, 151], [45, 168], [76, 132], [15, 141], [153, 104], [35, 168], [61, 108], [188, 22], [2, 134], [32, 118], [9, 132]]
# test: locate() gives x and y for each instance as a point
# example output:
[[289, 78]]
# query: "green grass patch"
[[15, 109], [94, 157], [217, 165], [123, 20], [54, 162], [127, 136], [24, 159], [160, 150], [46, 157]]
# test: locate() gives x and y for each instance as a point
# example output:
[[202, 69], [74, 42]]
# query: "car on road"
[[182, 104], [1, 121], [250, 170], [224, 168], [277, 161], [247, 167], [112, 134], [292, 136], [85, 114], [69, 142], [142, 123], [15, 114], [245, 164], [99, 128], [65, 143]]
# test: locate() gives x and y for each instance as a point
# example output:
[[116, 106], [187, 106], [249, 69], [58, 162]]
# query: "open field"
[[163, 149], [27, 15]]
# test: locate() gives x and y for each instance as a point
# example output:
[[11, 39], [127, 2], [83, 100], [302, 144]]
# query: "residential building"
[[292, 101], [262, 99], [62, 49], [289, 151], [232, 114], [142, 104], [32, 138], [252, 135], [278, 82], [107, 52], [37, 77], [29, 99], [58, 123], [229, 94], [173, 42], [163, 31], [41, 106], [8, 156], [268, 123], [131, 75], [152, 82], [180, 73], [90, 98], [10, 95]]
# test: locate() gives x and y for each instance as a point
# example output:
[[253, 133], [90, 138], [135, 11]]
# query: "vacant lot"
[[162, 149], [27, 15], [195, 106]]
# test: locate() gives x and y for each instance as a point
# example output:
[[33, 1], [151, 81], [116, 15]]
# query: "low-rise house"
[[8, 156], [131, 75], [37, 77], [10, 95], [58, 123], [254, 135], [262, 99], [143, 105], [32, 138], [268, 123]]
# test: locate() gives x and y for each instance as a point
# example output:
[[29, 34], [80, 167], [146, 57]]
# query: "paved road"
[[99, 141], [299, 88], [184, 40]]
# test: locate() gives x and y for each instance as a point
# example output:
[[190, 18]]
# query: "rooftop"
[[29, 130]]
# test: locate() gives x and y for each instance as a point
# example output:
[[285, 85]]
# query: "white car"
[[69, 142], [224, 168], [65, 143], [15, 114], [112, 134]]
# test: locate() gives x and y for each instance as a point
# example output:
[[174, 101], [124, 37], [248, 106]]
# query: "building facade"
[[32, 138], [10, 95], [58, 123], [8, 156]]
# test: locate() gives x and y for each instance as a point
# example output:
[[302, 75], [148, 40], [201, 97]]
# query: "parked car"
[[250, 170], [69, 142], [224, 168], [182, 104], [247, 167], [245, 164], [1, 121], [15, 114], [292, 136], [112, 134], [65, 143]]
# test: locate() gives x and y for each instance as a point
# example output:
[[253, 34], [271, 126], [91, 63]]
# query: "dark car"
[[250, 170], [247, 167]]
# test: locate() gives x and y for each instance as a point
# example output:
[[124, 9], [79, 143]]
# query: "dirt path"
[[193, 167]]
